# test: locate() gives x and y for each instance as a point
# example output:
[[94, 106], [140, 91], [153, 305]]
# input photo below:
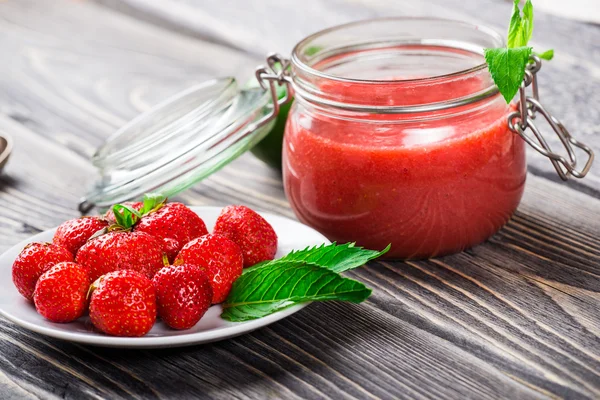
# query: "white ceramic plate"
[[291, 234]]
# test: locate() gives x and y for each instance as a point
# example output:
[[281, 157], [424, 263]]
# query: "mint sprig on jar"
[[507, 64], [513, 69]]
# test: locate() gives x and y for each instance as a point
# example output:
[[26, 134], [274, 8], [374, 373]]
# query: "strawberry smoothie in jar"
[[398, 135]]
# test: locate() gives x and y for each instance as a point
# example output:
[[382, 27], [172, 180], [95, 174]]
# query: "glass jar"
[[398, 135]]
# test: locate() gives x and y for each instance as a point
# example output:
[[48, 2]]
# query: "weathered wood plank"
[[84, 71], [517, 317]]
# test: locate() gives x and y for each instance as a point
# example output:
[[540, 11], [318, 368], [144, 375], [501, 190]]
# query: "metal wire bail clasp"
[[277, 73], [527, 111]]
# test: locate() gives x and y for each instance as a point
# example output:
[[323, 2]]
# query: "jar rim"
[[305, 68], [296, 60]]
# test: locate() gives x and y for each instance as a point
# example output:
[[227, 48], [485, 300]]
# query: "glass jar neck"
[[395, 66]]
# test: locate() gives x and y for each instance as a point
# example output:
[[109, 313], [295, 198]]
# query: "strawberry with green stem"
[[110, 214], [121, 250], [174, 224]]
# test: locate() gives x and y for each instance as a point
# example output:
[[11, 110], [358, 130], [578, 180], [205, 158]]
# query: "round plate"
[[291, 235]]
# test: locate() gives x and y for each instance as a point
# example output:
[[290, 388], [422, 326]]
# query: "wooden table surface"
[[516, 317]]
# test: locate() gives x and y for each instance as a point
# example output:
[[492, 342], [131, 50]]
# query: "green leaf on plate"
[[338, 258], [507, 67], [274, 287]]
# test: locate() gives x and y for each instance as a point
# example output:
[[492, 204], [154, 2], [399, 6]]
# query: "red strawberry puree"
[[428, 184]]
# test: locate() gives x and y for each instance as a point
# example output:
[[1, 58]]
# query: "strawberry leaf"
[[125, 216], [263, 291], [338, 258], [507, 67], [152, 202], [130, 209]]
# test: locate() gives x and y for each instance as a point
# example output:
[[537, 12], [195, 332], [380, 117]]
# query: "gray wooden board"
[[516, 317]]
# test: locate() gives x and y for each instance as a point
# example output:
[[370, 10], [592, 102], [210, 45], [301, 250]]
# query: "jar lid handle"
[[276, 74], [528, 109]]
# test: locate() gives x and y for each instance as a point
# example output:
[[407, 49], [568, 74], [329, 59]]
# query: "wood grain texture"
[[517, 317]]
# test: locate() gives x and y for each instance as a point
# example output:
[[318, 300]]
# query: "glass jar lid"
[[179, 142]]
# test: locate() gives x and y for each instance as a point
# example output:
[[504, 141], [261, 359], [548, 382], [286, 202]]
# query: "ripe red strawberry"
[[115, 251], [183, 294], [123, 303], [175, 224], [110, 215], [73, 234], [61, 292], [33, 261], [250, 231], [220, 258]]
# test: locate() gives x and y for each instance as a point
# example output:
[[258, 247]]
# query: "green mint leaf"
[[507, 67], [514, 27], [520, 27], [125, 216], [546, 55], [527, 22], [152, 202], [337, 258], [272, 288]]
